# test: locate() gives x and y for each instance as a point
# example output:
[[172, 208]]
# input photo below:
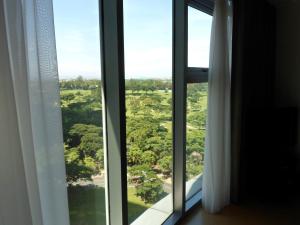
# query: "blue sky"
[[147, 38]]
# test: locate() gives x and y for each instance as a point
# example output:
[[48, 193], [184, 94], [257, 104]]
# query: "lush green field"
[[148, 141]]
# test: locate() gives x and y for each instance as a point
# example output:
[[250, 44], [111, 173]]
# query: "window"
[[148, 98], [78, 51], [199, 28], [196, 131], [134, 118]]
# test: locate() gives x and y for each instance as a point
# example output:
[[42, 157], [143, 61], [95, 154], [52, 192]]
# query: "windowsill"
[[194, 192], [160, 211], [193, 187]]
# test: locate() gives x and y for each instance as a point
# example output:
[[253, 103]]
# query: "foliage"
[[149, 136], [150, 190], [165, 163], [79, 84], [148, 131], [149, 158], [148, 185], [134, 156], [76, 168], [84, 152], [135, 85], [80, 112]]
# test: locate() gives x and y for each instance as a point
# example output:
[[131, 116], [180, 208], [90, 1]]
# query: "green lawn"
[[87, 205]]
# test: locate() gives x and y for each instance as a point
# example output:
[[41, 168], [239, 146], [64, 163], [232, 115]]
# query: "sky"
[[147, 38]]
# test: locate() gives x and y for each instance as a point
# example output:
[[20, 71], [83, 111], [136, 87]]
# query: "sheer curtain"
[[33, 74], [216, 175]]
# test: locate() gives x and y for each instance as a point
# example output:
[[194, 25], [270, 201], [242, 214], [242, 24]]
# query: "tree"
[[157, 144], [149, 158], [142, 130], [198, 118], [76, 168], [84, 152], [134, 156], [90, 143], [150, 190], [79, 113], [165, 164], [79, 130], [148, 185]]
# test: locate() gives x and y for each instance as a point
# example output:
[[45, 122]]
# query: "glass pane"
[[148, 77], [195, 132], [199, 29], [78, 51]]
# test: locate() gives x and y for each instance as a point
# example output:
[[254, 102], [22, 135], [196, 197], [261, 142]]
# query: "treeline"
[[79, 83], [134, 85]]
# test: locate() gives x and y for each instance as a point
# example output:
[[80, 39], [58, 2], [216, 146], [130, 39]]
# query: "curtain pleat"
[[216, 175], [32, 58]]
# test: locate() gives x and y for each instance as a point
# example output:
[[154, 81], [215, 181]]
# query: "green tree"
[[75, 168], [149, 158], [134, 156], [84, 152], [165, 164], [148, 185]]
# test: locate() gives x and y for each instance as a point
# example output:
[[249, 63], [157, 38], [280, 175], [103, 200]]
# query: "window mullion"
[[196, 75], [179, 103], [112, 50]]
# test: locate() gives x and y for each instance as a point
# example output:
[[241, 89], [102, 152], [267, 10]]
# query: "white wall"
[[287, 84], [14, 207]]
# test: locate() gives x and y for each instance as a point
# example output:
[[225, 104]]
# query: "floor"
[[251, 214]]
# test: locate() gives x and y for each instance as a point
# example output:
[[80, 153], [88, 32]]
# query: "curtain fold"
[[216, 175], [33, 70]]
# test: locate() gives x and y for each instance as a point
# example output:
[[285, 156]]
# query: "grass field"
[[87, 205]]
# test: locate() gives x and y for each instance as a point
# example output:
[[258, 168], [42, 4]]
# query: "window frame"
[[190, 75], [198, 75], [114, 124]]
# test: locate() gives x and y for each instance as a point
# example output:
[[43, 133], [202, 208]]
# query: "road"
[[100, 182]]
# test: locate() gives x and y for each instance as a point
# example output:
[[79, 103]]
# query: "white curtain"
[[216, 175], [33, 73]]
